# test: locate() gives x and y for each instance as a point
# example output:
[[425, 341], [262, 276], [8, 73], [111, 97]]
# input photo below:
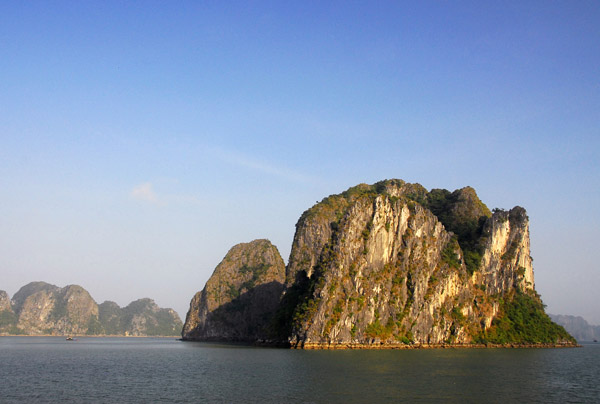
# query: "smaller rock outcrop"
[[241, 296], [144, 317]]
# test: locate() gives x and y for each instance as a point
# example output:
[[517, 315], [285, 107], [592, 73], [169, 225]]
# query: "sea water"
[[148, 370]]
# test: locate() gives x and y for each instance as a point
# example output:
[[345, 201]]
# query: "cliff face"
[[376, 265], [239, 299], [39, 308], [506, 262], [47, 309], [30, 289]]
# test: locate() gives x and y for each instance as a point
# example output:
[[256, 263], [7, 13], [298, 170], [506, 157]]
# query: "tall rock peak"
[[28, 290]]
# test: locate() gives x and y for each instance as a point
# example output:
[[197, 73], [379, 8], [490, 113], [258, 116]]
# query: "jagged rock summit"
[[392, 264], [40, 308], [240, 298]]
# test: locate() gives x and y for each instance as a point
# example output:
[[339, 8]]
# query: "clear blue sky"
[[140, 140]]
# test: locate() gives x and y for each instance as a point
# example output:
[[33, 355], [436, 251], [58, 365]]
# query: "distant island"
[[40, 308], [388, 265], [577, 327]]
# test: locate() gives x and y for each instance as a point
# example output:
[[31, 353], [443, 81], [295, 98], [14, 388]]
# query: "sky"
[[141, 140]]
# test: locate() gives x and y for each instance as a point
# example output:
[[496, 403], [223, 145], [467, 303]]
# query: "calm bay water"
[[135, 370]]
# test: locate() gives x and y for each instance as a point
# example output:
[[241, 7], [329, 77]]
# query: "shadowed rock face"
[[110, 316], [41, 308], [241, 296]]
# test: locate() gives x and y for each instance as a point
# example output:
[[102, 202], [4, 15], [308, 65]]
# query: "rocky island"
[[388, 265], [40, 308]]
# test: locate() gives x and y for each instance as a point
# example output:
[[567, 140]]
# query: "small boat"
[[71, 339]]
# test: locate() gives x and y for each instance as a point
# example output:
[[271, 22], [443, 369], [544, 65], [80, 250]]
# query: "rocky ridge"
[[40, 308], [392, 264]]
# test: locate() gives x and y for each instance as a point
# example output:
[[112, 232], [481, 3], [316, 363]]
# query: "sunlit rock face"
[[240, 298], [376, 265], [507, 252], [47, 309]]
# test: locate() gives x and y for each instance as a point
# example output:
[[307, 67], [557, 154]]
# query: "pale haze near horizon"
[[140, 141]]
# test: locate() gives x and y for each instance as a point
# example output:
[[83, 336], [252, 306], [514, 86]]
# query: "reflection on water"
[[166, 370]]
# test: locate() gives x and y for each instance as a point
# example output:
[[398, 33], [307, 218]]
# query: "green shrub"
[[449, 255], [457, 315], [94, 327], [378, 330], [7, 318], [511, 252], [468, 229]]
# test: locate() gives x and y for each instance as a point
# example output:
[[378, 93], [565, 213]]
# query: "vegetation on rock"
[[522, 320], [462, 213]]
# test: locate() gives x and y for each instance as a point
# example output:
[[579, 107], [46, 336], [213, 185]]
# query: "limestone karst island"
[[388, 265], [40, 308]]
